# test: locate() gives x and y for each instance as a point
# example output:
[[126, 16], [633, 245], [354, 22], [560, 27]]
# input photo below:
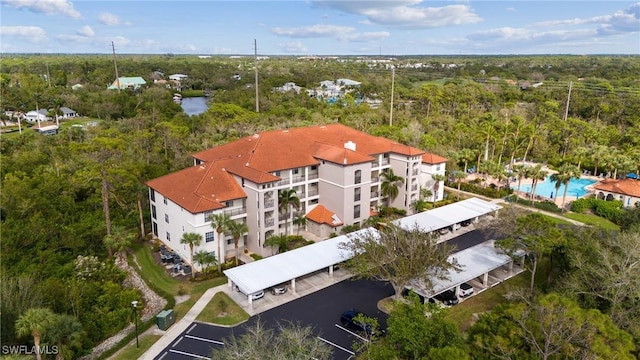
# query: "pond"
[[194, 105]]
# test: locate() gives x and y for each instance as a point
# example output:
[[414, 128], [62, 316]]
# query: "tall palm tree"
[[300, 221], [459, 176], [34, 322], [564, 175], [278, 241], [220, 222], [237, 229], [389, 185], [536, 174], [437, 178], [193, 240], [287, 199], [522, 172]]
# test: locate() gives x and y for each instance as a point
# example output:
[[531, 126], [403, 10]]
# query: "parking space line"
[[351, 332], [189, 354], [177, 341], [192, 327], [204, 339], [337, 346], [163, 355]]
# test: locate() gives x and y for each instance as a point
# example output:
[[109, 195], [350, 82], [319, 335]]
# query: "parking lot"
[[321, 310]]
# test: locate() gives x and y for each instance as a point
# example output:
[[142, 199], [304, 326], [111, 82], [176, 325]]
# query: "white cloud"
[[292, 47], [32, 34], [405, 13], [627, 20], [110, 19], [85, 31], [48, 7], [341, 33]]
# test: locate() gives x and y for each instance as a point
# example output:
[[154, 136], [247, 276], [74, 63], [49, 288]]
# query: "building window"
[[152, 194], [206, 215], [209, 237], [356, 194], [166, 218], [168, 236], [228, 203], [164, 200], [153, 211], [229, 241], [356, 212], [314, 167], [358, 177], [155, 228], [296, 171], [313, 201]]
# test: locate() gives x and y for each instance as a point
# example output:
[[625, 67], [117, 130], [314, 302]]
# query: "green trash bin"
[[165, 319]]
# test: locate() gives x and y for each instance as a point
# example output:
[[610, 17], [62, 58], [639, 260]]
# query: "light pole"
[[134, 305]]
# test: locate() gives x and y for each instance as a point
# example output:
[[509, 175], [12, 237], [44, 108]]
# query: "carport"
[[483, 264], [449, 215], [259, 275]]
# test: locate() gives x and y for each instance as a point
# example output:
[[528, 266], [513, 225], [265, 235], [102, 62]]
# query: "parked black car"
[[348, 320], [448, 297]]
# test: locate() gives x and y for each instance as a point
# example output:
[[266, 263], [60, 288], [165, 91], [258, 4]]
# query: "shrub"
[[610, 210], [256, 257], [488, 191], [581, 205]]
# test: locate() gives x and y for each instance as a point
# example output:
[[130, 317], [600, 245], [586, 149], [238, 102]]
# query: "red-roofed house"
[[334, 169], [625, 190]]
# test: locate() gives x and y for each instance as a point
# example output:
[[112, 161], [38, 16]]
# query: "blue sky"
[[321, 27]]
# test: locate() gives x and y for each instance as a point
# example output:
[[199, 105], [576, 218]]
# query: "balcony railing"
[[385, 161], [297, 179], [414, 187], [237, 211], [268, 222], [312, 176], [312, 192], [414, 172], [282, 217], [269, 203], [283, 182], [375, 179], [374, 194]]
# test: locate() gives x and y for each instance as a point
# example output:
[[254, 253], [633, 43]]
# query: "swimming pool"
[[548, 188]]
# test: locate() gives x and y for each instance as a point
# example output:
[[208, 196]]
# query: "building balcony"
[[233, 212], [375, 179], [384, 161], [282, 217], [375, 194], [283, 182], [414, 172], [297, 179], [269, 203], [312, 192], [268, 222], [312, 176]]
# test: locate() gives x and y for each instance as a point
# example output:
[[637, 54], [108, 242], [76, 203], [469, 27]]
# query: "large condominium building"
[[335, 171]]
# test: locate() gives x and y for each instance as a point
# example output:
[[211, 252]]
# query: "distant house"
[[46, 130], [331, 90], [290, 86], [35, 116], [178, 77], [67, 113], [323, 222], [128, 83], [625, 190]]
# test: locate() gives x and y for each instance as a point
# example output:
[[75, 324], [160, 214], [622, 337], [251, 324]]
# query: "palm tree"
[[237, 229], [220, 222], [300, 221], [191, 239], [564, 175], [389, 185], [522, 172], [204, 259], [119, 240], [279, 241], [465, 155], [437, 178], [66, 333], [459, 176], [34, 322], [536, 174], [286, 199], [419, 205]]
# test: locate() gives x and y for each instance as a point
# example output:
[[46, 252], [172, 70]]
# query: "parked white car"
[[465, 290]]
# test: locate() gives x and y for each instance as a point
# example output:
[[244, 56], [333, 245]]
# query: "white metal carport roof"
[[274, 270], [474, 262], [448, 215]]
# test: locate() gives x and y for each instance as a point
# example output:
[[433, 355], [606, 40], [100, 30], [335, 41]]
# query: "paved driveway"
[[321, 310]]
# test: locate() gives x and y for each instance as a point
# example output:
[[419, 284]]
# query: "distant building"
[[128, 83], [35, 116], [625, 190], [290, 86]]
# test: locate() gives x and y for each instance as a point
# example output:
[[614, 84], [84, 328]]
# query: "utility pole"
[[255, 56], [566, 109], [393, 78], [48, 75], [115, 63]]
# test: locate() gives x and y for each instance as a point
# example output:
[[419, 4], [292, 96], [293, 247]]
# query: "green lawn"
[[154, 274], [130, 351], [594, 220], [222, 310]]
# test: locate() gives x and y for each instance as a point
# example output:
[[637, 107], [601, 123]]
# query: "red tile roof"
[[429, 158], [199, 188], [629, 187], [277, 150], [321, 215]]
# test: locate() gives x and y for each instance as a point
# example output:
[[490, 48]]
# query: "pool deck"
[[557, 199]]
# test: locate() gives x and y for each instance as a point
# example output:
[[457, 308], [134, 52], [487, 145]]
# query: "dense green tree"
[[34, 322], [279, 241], [204, 259], [398, 255]]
